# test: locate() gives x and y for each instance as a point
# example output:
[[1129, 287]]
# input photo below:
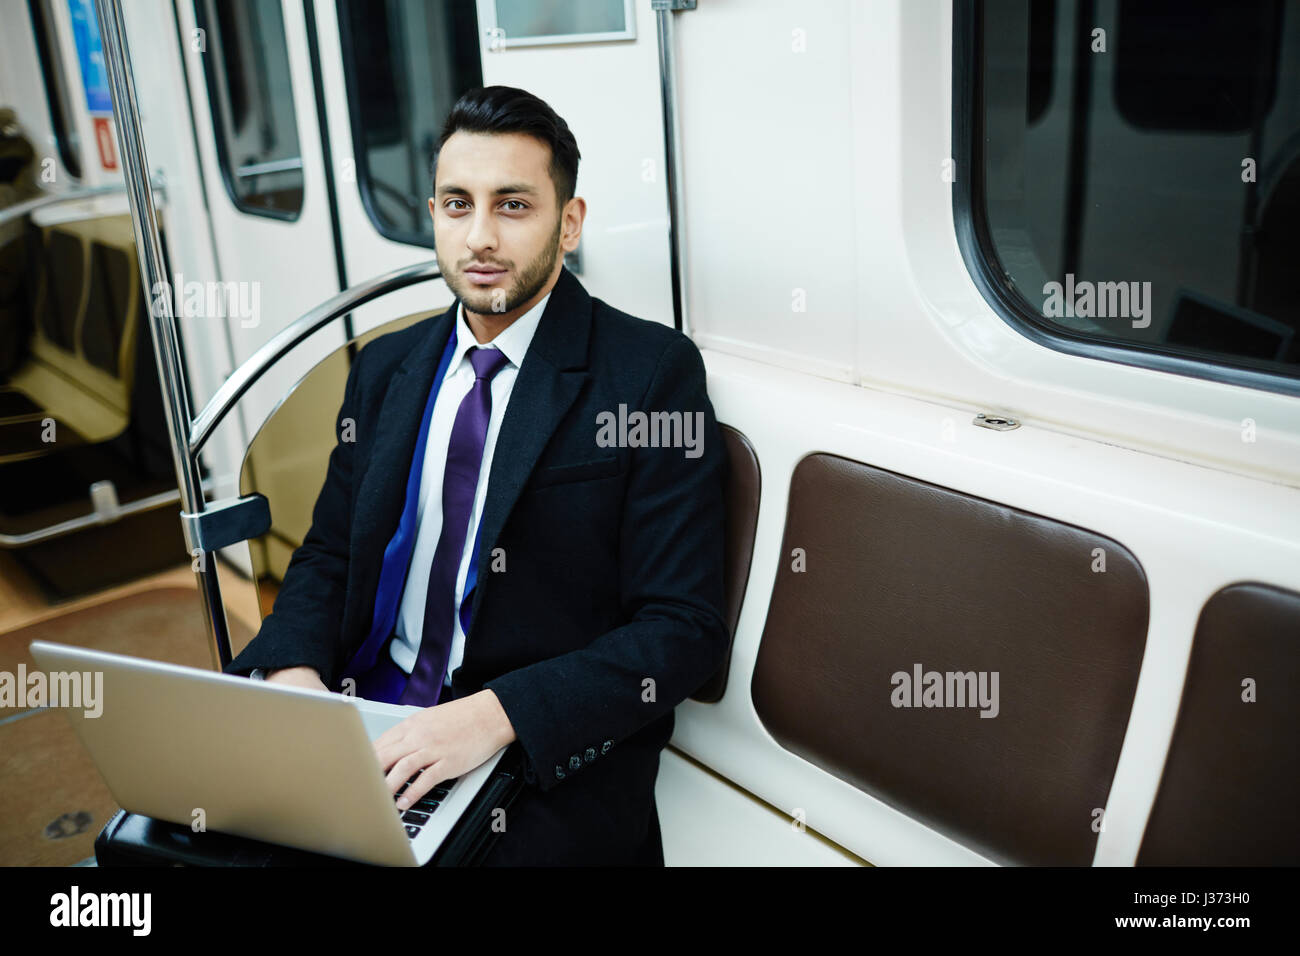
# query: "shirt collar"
[[512, 341]]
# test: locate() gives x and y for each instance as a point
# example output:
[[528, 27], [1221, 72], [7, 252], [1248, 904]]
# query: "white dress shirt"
[[514, 342]]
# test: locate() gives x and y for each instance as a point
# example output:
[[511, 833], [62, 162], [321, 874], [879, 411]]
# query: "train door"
[[264, 180]]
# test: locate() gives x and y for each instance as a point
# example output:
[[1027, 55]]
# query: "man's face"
[[494, 208]]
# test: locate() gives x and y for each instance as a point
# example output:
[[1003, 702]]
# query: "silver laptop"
[[280, 764]]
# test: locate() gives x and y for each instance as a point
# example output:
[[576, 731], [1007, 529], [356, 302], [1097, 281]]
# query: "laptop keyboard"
[[418, 815]]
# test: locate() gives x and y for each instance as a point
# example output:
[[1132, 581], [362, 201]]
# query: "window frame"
[[224, 162], [360, 154], [59, 98], [969, 209]]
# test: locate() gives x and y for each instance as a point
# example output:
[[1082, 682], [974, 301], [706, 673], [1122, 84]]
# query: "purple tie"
[[459, 485]]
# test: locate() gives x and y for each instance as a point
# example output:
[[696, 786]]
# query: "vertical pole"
[[663, 10], [167, 351]]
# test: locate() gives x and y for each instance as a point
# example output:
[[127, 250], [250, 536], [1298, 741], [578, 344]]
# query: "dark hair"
[[507, 109]]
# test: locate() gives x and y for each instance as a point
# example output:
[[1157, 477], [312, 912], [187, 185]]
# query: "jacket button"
[[590, 755], [559, 774], [604, 748], [575, 762]]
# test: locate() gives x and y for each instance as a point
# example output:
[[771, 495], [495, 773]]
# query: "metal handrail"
[[20, 209], [242, 379], [106, 509]]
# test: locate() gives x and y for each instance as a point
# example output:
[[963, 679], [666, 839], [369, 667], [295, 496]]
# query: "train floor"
[[55, 800]]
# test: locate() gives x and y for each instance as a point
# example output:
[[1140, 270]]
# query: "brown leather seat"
[[743, 486], [882, 573], [1231, 783]]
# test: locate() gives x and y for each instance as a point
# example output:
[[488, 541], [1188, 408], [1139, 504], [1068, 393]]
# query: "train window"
[[247, 73], [406, 63], [57, 92], [1135, 178], [530, 22]]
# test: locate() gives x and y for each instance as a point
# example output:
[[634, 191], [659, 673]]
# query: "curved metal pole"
[[167, 352], [103, 499], [285, 340]]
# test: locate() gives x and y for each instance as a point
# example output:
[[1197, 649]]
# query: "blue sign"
[[90, 51]]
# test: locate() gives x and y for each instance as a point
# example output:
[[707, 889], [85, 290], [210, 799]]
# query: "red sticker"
[[104, 137]]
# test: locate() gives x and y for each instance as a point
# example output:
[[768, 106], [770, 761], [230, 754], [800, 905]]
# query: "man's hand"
[[307, 677], [443, 741]]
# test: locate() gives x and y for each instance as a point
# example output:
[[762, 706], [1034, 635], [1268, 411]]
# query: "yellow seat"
[[81, 368], [287, 459]]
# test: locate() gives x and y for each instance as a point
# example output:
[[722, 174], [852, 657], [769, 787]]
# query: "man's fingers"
[[422, 785], [408, 748], [391, 750], [392, 753], [407, 767]]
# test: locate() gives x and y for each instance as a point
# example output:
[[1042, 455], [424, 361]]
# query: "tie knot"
[[487, 362]]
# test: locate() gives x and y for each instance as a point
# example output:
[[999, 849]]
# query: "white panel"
[[1194, 530], [707, 821], [766, 107]]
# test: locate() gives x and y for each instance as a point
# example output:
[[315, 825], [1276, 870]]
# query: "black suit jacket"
[[610, 607]]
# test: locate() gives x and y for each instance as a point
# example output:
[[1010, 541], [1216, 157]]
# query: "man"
[[506, 543]]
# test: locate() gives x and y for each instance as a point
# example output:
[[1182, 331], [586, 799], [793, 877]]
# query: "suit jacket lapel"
[[552, 374], [382, 491]]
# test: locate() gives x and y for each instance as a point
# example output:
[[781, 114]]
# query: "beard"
[[526, 283]]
